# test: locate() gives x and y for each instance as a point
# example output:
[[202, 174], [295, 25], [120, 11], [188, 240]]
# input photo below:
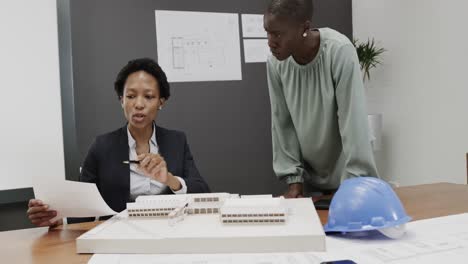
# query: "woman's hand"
[[155, 167], [295, 190], [40, 215]]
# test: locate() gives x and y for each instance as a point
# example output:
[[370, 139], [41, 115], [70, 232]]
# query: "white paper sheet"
[[252, 26], [198, 46], [286, 258], [256, 50], [72, 199], [437, 240]]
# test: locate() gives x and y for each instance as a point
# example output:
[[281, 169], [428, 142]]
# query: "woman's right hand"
[[40, 215]]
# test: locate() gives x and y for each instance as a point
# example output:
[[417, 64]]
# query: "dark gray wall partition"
[[71, 151], [227, 122]]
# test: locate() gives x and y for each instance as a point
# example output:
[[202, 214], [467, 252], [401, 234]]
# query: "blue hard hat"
[[365, 203]]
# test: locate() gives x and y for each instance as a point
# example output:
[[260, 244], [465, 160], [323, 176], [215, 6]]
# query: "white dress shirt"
[[141, 184]]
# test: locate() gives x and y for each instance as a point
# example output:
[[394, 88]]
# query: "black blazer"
[[103, 165]]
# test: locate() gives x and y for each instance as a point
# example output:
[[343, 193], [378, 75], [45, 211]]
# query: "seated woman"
[[165, 164]]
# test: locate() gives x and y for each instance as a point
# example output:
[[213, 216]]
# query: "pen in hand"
[[131, 161]]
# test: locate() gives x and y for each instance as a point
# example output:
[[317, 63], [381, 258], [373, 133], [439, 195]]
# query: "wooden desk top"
[[40, 245]]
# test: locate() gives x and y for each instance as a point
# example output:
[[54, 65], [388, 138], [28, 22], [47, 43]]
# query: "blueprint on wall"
[[198, 46]]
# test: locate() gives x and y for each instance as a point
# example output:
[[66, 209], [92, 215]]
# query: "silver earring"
[[304, 34], [160, 107]]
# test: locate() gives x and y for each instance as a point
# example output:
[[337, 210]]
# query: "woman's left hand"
[[155, 167]]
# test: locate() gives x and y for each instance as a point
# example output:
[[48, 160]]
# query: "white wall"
[[31, 140], [422, 87]]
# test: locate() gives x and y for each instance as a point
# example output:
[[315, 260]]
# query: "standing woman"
[[318, 108], [165, 164]]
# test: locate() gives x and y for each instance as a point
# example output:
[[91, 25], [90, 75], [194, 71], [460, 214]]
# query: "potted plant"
[[369, 57]]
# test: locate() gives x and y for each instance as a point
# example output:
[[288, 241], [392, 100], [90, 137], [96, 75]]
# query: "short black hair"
[[300, 10], [148, 65]]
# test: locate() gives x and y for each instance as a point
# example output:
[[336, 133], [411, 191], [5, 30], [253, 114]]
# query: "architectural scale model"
[[208, 223], [231, 208], [254, 211], [162, 205]]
